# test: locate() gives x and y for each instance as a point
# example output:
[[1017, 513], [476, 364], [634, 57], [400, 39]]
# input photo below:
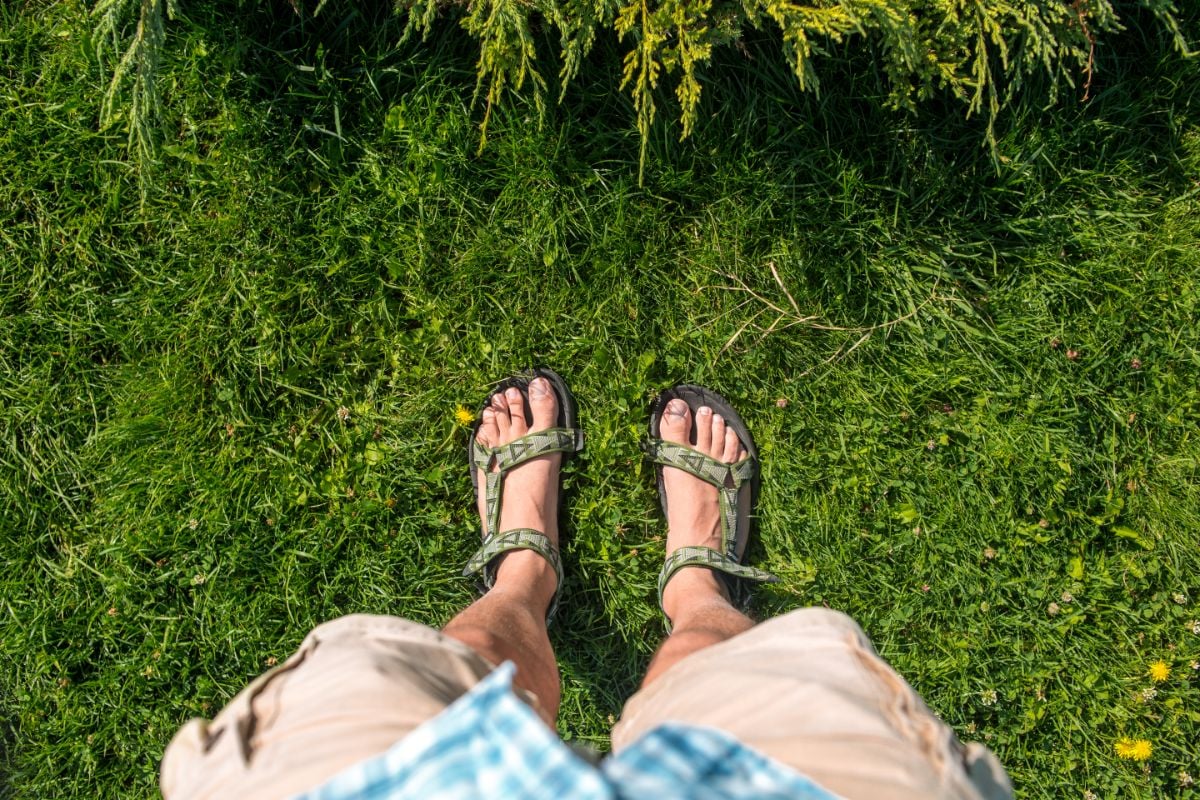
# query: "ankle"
[[527, 577], [693, 590]]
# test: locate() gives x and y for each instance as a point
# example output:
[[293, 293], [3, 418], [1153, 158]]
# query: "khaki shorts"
[[806, 689]]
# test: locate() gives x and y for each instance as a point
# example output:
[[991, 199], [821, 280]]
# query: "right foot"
[[693, 506]]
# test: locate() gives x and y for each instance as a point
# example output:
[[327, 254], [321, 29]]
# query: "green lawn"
[[975, 381]]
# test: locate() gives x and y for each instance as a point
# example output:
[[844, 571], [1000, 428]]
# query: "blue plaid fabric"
[[489, 744]]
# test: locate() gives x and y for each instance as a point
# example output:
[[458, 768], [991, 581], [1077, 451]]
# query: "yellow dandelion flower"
[[463, 416], [1133, 749], [1159, 671]]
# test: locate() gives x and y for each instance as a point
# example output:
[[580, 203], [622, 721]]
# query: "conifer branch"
[[981, 52]]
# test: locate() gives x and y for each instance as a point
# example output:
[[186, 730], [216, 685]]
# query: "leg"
[[509, 622], [806, 689], [359, 684], [706, 619], [694, 600]]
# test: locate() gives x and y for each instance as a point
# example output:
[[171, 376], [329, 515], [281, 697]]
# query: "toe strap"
[[482, 563], [529, 446], [723, 565], [496, 462], [692, 461]]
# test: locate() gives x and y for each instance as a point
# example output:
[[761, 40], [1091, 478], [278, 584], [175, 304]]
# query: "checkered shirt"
[[489, 744]]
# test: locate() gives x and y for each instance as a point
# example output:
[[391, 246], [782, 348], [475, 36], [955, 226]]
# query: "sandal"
[[567, 438], [730, 479]]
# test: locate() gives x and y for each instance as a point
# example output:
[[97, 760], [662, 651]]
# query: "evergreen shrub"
[[984, 53]]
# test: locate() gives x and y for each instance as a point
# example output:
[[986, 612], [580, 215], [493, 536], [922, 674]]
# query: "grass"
[[975, 384]]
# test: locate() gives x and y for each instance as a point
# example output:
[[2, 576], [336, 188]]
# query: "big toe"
[[543, 405], [676, 422]]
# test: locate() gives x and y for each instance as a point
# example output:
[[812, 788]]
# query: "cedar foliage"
[[982, 52], [132, 93]]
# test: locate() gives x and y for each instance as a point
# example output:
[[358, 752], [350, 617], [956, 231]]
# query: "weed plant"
[[228, 389]]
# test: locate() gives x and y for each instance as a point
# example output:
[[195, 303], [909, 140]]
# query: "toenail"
[[704, 411], [540, 387], [676, 407], [488, 413], [513, 393]]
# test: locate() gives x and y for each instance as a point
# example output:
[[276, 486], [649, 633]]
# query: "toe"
[[516, 409], [676, 422], [732, 446], [718, 436], [487, 435], [542, 404], [704, 428], [500, 407]]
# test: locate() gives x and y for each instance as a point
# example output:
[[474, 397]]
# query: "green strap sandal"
[[730, 479], [566, 437]]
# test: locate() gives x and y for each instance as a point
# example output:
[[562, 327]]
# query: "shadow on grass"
[[839, 170]]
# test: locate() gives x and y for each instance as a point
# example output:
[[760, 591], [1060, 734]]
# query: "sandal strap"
[[696, 556], [529, 446], [704, 467], [515, 539], [514, 454], [728, 478]]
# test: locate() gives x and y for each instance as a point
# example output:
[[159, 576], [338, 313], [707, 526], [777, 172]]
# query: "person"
[[798, 706]]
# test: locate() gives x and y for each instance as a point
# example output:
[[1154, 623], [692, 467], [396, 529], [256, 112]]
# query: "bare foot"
[[693, 507], [530, 493]]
